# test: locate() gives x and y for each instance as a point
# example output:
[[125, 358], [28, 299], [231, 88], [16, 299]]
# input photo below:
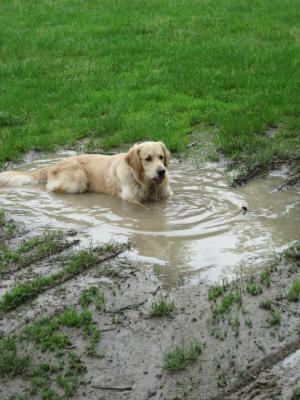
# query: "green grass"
[[226, 303], [2, 217], [218, 289], [266, 304], [222, 379], [7, 227], [77, 263], [162, 307], [20, 355], [292, 254], [124, 71], [181, 356], [274, 318], [30, 250], [253, 287], [294, 291], [47, 331], [296, 392], [11, 362], [265, 277], [94, 296]]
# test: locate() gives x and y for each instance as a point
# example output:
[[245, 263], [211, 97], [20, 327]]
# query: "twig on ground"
[[129, 307], [118, 389]]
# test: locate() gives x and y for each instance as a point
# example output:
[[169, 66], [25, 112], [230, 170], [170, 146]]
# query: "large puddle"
[[200, 232]]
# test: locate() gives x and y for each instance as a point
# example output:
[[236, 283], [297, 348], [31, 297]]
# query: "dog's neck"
[[149, 192]]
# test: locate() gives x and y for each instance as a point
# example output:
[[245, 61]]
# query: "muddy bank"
[[247, 330]]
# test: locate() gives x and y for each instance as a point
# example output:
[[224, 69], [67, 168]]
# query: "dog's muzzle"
[[161, 174]]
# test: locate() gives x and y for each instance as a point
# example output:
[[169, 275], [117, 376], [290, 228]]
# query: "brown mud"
[[244, 356]]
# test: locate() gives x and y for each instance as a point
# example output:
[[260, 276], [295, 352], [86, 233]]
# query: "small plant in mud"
[[222, 379], [248, 323], [218, 290], [265, 277], [228, 300], [252, 286], [274, 318], [181, 356], [296, 391], [93, 295], [11, 362], [266, 304], [69, 381], [2, 217], [182, 280], [162, 307], [218, 333], [292, 254], [157, 270], [7, 227], [294, 291], [235, 325]]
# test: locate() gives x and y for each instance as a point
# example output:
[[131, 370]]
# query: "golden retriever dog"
[[136, 176]]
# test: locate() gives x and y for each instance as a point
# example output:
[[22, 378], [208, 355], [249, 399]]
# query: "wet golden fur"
[[133, 175]]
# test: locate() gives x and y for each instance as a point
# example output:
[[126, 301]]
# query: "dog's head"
[[149, 161]]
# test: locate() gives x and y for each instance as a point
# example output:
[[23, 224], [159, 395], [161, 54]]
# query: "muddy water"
[[200, 232]]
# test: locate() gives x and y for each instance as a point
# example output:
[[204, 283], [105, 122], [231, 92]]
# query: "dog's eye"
[[149, 158], [161, 157]]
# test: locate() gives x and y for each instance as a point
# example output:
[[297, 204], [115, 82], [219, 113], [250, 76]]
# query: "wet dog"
[[136, 176]]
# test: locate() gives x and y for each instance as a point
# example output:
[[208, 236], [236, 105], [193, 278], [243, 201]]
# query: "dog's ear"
[[167, 154], [134, 161]]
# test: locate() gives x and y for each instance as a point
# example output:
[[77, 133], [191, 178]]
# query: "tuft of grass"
[[2, 217], [218, 333], [266, 304], [253, 287], [11, 362], [274, 318], [222, 379], [7, 227], [181, 356], [162, 307], [95, 296], [265, 277], [182, 280], [218, 290], [248, 323], [294, 291], [157, 270], [47, 332], [296, 392], [235, 324], [26, 291], [228, 300], [69, 381], [292, 254]]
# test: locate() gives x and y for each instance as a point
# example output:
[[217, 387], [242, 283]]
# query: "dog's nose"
[[161, 172]]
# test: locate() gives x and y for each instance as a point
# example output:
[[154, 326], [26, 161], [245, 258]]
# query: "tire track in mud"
[[32, 289], [250, 386]]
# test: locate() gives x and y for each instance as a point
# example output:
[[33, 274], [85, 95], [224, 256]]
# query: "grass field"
[[121, 71]]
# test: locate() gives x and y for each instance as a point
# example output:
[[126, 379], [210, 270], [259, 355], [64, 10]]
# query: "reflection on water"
[[200, 231]]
